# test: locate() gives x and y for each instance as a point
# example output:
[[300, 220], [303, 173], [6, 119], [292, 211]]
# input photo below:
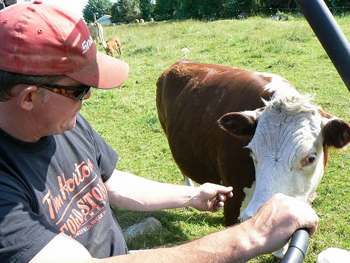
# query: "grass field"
[[127, 119]]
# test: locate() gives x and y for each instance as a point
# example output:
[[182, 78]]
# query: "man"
[[58, 176]]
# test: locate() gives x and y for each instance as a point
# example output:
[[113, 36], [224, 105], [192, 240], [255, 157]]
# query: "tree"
[[147, 8], [126, 11], [232, 8], [337, 3], [97, 8], [165, 9], [203, 9]]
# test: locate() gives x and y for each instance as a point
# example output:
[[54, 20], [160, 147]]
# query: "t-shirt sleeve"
[[106, 156], [23, 233]]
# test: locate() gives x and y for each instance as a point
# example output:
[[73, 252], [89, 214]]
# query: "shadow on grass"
[[176, 226]]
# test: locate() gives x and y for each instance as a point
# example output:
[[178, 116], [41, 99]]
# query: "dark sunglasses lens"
[[77, 93], [80, 95]]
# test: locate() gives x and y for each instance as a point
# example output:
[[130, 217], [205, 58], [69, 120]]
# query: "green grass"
[[127, 119]]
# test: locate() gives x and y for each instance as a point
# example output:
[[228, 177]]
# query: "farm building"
[[105, 20]]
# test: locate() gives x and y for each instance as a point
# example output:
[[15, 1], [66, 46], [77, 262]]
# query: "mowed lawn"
[[126, 117]]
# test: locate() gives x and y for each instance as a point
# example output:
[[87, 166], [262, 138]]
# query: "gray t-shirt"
[[56, 186]]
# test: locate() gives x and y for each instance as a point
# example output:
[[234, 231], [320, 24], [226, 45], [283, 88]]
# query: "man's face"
[[57, 113]]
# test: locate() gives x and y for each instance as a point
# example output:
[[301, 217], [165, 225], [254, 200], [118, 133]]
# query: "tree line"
[[126, 11]]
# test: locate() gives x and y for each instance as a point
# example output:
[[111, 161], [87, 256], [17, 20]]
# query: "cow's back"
[[191, 97]]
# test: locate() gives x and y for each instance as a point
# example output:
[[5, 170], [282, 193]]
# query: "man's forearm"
[[236, 244], [267, 231], [131, 192]]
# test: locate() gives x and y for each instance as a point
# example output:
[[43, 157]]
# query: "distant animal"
[[242, 15], [137, 21], [96, 32], [112, 45], [253, 131], [151, 19], [142, 21]]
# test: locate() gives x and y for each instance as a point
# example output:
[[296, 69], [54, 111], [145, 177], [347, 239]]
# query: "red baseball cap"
[[44, 40]]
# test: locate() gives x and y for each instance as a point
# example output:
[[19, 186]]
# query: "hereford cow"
[[253, 131], [112, 45], [96, 32]]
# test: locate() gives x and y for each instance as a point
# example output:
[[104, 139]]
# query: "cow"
[[112, 45], [253, 131], [96, 32]]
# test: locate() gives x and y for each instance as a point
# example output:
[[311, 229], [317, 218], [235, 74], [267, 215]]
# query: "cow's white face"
[[288, 141], [287, 150]]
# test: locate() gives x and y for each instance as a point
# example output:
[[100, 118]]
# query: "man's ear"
[[25, 98]]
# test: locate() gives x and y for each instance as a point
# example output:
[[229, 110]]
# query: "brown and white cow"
[[253, 131]]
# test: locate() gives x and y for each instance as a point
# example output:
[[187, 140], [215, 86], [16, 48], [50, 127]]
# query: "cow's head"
[[289, 144]]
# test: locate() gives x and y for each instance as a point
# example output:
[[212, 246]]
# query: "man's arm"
[[267, 231], [132, 192]]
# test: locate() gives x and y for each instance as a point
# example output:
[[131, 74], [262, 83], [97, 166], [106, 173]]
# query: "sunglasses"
[[73, 92]]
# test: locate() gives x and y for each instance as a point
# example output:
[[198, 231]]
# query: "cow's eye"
[[309, 159], [312, 158]]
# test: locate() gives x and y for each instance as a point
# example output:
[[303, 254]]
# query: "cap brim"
[[105, 72]]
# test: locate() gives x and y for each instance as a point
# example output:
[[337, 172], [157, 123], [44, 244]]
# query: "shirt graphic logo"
[[81, 201]]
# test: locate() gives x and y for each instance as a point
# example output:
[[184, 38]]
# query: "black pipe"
[[329, 34], [298, 246], [337, 47]]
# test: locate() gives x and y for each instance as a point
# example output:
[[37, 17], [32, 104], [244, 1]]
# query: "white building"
[[105, 20]]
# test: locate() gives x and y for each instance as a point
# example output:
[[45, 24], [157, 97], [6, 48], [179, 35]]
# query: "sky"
[[73, 5]]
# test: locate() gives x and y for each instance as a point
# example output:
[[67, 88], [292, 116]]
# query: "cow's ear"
[[336, 133], [240, 124]]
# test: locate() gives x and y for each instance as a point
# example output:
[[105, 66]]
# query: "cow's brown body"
[[113, 45], [214, 91]]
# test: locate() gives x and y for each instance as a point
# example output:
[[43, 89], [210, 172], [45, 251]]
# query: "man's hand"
[[277, 220], [211, 197]]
